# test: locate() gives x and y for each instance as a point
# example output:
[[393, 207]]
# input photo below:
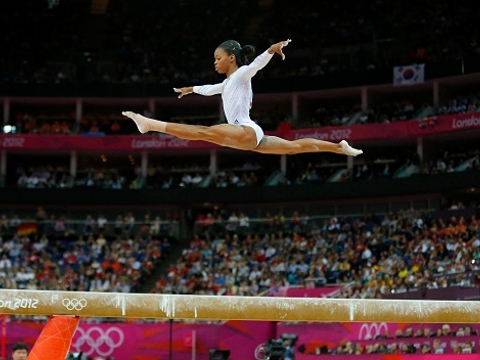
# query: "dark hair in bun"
[[243, 54]]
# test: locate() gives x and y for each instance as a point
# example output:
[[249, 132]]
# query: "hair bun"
[[248, 50]]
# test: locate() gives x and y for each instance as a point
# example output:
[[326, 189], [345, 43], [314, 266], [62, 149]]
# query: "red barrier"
[[395, 130]]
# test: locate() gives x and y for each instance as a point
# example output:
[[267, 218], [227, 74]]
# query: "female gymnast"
[[241, 132]]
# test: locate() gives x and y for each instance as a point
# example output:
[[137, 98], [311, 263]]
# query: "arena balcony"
[[132, 155]]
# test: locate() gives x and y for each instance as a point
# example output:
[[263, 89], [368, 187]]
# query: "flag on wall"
[[26, 229], [408, 75]]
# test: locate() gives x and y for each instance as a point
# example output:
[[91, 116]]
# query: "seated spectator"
[[425, 349], [419, 333], [115, 128], [394, 348], [457, 348], [446, 330], [469, 331], [428, 333], [467, 348], [408, 333], [409, 349], [437, 347], [385, 335]]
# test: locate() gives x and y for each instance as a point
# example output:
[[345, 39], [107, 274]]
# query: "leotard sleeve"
[[249, 71], [208, 90]]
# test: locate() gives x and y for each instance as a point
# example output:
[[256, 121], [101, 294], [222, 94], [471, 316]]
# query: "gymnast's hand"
[[183, 91], [277, 48]]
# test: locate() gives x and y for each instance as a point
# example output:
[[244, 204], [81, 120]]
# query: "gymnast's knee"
[[294, 149], [206, 133]]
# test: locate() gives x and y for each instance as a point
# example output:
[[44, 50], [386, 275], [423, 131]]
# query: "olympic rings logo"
[[74, 304], [369, 331], [97, 341]]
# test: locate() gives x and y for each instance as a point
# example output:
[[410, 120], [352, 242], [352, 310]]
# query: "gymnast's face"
[[223, 61]]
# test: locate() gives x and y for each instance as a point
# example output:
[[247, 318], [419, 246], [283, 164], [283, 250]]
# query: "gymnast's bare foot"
[[348, 150], [141, 121]]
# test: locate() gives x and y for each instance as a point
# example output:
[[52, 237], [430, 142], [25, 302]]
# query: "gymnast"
[[240, 132]]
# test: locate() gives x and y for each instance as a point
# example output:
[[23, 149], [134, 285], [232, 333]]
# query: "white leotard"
[[237, 93]]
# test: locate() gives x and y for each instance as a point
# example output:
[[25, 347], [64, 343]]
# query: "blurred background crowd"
[[403, 244]]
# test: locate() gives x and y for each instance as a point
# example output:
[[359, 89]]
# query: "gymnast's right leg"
[[237, 137]]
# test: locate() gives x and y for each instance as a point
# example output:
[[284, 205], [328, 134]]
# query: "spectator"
[[457, 348], [19, 351], [419, 333], [437, 347], [425, 349], [469, 331], [446, 330], [467, 348], [408, 332]]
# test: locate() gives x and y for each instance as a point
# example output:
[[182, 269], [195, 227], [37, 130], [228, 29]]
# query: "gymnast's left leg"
[[279, 146]]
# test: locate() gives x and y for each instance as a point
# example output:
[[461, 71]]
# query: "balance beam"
[[203, 307]]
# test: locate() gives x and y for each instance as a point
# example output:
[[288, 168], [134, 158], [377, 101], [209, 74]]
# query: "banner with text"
[[113, 143]]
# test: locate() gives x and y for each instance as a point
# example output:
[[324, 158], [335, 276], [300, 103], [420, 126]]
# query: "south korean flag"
[[408, 75]]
